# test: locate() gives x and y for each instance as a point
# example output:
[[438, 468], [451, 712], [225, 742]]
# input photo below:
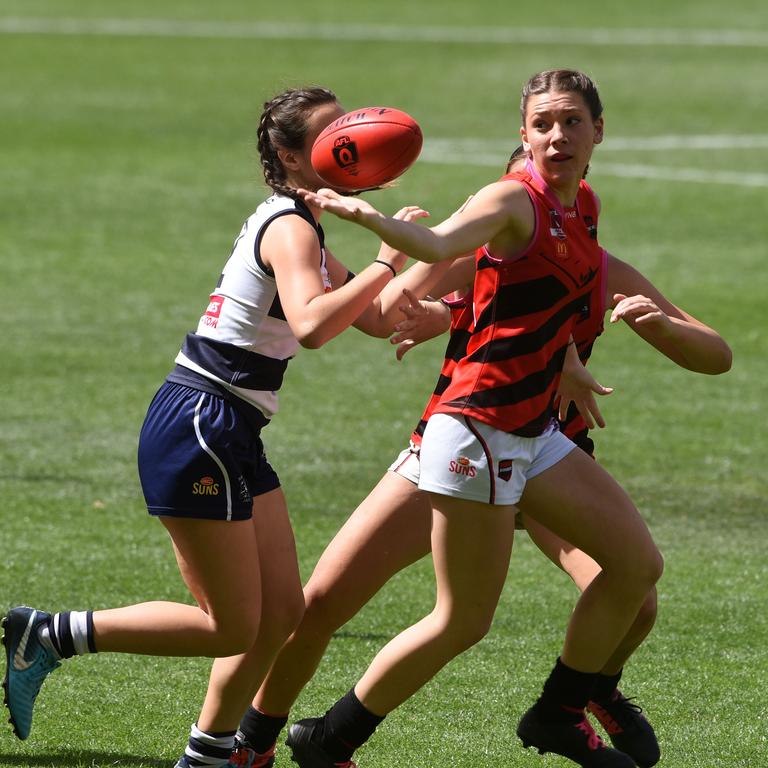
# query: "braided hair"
[[283, 125]]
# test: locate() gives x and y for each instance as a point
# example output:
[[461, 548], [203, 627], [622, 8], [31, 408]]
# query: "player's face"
[[322, 117], [560, 134]]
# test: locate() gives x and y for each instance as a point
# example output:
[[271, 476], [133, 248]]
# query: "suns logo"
[[206, 486], [462, 466]]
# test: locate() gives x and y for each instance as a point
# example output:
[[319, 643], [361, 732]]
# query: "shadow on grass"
[[86, 758]]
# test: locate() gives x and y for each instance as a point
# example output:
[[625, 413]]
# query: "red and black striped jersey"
[[585, 333], [524, 311], [459, 333]]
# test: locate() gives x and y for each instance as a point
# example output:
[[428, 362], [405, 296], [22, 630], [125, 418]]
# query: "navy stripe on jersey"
[[234, 365], [526, 343]]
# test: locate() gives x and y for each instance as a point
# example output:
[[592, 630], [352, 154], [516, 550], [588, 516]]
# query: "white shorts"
[[468, 459], [407, 463]]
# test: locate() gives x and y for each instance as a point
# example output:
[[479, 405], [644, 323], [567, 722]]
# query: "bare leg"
[[471, 546], [234, 679], [388, 531], [581, 503], [583, 569], [213, 557]]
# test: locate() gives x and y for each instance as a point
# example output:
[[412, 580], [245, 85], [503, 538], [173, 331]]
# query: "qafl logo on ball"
[[345, 154]]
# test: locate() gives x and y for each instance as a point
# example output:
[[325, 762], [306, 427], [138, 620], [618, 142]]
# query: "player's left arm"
[[675, 333]]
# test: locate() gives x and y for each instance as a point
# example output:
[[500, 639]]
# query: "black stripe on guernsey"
[[457, 345], [526, 343], [509, 394], [442, 384], [234, 365], [518, 299]]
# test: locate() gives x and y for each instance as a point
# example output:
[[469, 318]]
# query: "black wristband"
[[386, 264]]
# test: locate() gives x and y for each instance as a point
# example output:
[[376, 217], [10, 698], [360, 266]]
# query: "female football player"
[[490, 438], [390, 529], [201, 460]]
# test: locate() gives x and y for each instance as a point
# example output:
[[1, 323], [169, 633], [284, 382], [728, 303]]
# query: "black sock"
[[347, 725], [260, 730], [566, 693], [605, 685]]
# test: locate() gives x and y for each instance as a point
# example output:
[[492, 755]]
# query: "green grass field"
[[127, 165]]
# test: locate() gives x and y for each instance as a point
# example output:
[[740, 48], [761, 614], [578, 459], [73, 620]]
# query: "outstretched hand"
[[579, 386], [349, 208], [424, 319]]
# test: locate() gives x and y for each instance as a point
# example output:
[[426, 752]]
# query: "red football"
[[366, 148]]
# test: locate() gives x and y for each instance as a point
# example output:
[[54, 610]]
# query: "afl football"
[[366, 148]]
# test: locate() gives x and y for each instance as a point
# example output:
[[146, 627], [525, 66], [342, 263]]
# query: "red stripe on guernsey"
[[525, 310], [488, 458], [461, 322]]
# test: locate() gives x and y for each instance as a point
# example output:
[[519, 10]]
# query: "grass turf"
[[128, 165]]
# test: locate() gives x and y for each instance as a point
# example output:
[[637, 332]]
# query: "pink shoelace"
[[594, 742]]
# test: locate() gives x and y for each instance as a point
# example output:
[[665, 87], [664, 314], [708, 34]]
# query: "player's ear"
[[599, 127], [524, 138], [288, 158]]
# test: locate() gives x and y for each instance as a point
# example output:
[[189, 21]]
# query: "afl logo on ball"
[[345, 152]]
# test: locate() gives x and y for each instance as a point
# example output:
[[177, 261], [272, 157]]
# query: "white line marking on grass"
[[495, 153], [383, 33]]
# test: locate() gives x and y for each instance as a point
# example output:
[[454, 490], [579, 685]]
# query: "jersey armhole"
[[257, 241], [534, 237]]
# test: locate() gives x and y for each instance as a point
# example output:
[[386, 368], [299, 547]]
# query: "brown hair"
[[283, 125], [518, 154], [563, 81]]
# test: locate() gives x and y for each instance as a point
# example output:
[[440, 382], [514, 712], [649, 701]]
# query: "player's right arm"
[[290, 247], [500, 214]]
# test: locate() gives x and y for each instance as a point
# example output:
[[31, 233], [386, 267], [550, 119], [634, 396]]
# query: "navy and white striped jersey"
[[243, 341]]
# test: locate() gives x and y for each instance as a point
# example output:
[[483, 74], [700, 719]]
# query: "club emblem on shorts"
[[462, 466], [505, 469], [205, 486]]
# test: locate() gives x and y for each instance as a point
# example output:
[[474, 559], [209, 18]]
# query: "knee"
[[646, 616], [285, 619], [323, 612], [236, 634], [460, 633], [640, 568]]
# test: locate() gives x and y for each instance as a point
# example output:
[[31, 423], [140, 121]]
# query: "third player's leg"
[[471, 546], [582, 504], [388, 531]]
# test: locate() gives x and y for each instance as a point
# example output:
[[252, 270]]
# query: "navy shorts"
[[199, 456]]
